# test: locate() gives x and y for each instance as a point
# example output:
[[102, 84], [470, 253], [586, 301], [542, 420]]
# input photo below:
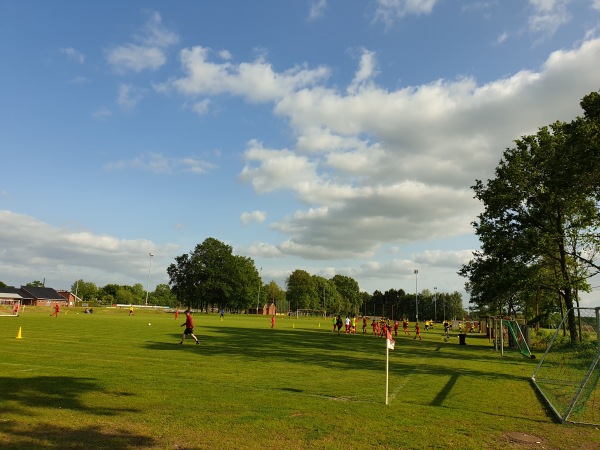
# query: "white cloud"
[[136, 58], [388, 11], [255, 81], [160, 164], [149, 51], [39, 250], [365, 72], [548, 16], [260, 250], [254, 216], [410, 179]]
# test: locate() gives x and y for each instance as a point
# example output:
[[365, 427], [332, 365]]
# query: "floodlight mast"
[[416, 294], [148, 285]]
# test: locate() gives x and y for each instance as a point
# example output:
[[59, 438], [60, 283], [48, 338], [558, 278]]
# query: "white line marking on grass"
[[408, 378]]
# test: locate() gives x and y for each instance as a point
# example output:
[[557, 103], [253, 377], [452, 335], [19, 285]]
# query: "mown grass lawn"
[[108, 380]]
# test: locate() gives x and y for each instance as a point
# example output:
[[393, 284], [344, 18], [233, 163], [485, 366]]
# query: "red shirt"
[[189, 322]]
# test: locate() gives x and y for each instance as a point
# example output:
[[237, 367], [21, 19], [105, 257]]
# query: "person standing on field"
[[56, 310], [273, 321], [189, 328], [418, 331]]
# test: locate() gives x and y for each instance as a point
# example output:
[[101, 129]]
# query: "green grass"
[[111, 381]]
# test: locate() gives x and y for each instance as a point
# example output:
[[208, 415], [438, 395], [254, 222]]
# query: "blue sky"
[[333, 136]]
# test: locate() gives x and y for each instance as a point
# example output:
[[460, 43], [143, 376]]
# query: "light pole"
[[259, 284], [76, 288], [434, 304], [416, 294], [148, 285]]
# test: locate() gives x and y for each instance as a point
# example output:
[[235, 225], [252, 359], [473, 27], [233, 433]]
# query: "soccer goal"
[[310, 313], [568, 373], [516, 338], [10, 307]]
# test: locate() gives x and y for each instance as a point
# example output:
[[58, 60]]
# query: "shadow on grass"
[[326, 349], [53, 392], [26, 397], [49, 435]]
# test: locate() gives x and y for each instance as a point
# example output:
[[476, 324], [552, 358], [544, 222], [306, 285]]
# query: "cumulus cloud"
[[375, 166], [254, 216], [255, 81], [37, 248]]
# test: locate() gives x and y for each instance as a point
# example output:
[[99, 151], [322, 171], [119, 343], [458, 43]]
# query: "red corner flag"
[[390, 341]]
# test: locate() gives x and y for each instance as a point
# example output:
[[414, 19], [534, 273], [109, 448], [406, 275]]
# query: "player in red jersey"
[[189, 327]]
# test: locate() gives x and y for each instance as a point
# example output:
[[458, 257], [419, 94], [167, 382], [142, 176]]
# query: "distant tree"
[[2, 285], [86, 290], [274, 294], [301, 292], [35, 283], [162, 296], [350, 291]]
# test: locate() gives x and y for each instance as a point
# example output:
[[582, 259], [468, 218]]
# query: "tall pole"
[[434, 304], [259, 284], [76, 288], [416, 294], [148, 285]]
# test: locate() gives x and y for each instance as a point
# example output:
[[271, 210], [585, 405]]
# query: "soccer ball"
[[149, 324]]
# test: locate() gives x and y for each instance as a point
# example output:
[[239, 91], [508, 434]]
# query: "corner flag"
[[390, 341]]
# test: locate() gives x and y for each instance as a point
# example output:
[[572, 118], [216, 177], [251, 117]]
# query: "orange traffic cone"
[[19, 333]]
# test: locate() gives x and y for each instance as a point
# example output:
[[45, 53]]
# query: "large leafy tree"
[[539, 228], [211, 275]]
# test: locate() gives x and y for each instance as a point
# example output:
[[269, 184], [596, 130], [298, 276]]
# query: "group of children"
[[380, 328]]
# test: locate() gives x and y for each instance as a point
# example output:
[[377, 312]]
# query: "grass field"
[[112, 381]]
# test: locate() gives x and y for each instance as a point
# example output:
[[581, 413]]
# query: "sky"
[[332, 136]]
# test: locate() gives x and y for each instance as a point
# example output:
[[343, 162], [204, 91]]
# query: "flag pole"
[[387, 367]]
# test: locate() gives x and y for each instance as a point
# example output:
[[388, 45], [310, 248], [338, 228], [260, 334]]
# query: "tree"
[[35, 283], [301, 292], [85, 290], [274, 294], [349, 290], [539, 228], [162, 296], [211, 275]]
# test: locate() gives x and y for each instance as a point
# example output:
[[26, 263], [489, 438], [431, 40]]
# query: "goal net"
[[9, 307], [567, 375], [516, 339], [310, 313]]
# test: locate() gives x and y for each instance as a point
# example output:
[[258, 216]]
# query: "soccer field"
[[108, 380]]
